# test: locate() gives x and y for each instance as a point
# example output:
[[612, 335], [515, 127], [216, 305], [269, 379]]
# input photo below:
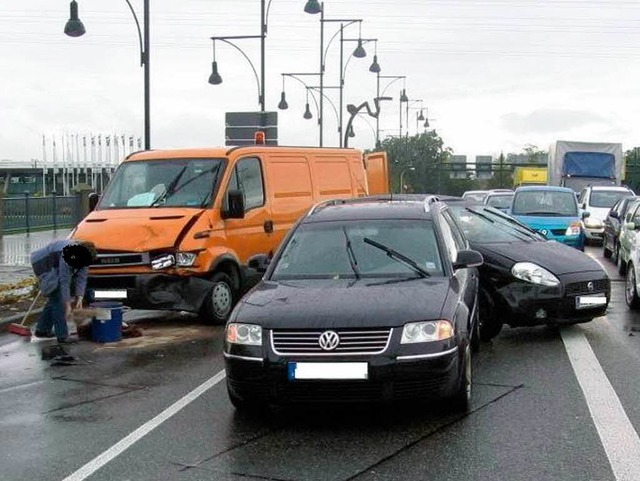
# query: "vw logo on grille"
[[590, 287], [329, 340]]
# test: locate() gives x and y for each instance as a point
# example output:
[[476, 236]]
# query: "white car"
[[598, 200]]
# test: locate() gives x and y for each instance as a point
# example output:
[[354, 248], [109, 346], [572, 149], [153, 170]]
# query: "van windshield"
[[163, 183]]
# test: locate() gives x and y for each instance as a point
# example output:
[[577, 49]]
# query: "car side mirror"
[[235, 205], [585, 215], [468, 258], [93, 201], [259, 262], [630, 225], [614, 215]]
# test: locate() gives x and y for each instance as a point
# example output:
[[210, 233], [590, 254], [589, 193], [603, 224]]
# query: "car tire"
[[489, 326], [622, 268], [615, 253], [605, 252], [630, 290], [220, 300], [461, 400]]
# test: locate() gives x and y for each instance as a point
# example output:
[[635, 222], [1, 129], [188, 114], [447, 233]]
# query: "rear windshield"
[[545, 203], [502, 201], [605, 198], [319, 250], [475, 196]]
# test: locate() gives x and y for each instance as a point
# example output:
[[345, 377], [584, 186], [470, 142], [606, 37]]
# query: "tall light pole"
[[412, 169], [75, 28], [394, 78], [216, 79]]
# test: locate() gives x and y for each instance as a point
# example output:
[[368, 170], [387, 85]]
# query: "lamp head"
[[403, 96], [74, 27], [359, 52], [307, 112], [375, 66], [214, 78], [421, 116], [352, 109], [351, 132], [313, 7], [283, 105]]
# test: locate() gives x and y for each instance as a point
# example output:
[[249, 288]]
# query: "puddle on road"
[[160, 335]]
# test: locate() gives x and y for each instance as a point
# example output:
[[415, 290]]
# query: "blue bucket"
[[106, 326]]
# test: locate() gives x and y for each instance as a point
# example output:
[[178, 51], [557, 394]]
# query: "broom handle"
[[31, 308]]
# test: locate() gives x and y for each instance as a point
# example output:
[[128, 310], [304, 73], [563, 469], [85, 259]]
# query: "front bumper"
[[152, 291], [596, 234], [390, 378], [523, 304]]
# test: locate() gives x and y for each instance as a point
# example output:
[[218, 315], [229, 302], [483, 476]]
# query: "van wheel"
[[220, 300]]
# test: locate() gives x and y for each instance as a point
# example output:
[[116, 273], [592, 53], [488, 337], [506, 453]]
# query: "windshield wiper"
[[397, 256], [353, 262], [169, 190]]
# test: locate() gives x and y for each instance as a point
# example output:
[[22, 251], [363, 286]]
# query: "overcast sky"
[[494, 74]]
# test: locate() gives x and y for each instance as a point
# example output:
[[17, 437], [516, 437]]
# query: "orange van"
[[178, 229]]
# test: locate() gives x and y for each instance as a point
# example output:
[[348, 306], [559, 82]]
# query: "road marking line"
[[21, 386], [126, 442], [619, 438]]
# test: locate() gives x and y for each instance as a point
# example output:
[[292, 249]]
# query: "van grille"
[[352, 342], [121, 259]]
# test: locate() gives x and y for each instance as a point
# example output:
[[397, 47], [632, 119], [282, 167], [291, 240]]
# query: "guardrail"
[[28, 213]]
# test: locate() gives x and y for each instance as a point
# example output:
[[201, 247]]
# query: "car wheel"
[[220, 300], [605, 252], [490, 327], [621, 265], [615, 254], [630, 291], [462, 398]]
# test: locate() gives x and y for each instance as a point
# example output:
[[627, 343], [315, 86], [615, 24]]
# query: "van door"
[[251, 235], [377, 173]]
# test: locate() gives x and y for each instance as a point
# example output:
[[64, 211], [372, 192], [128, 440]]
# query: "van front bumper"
[[152, 291]]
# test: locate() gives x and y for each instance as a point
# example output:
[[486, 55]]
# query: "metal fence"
[[27, 213]]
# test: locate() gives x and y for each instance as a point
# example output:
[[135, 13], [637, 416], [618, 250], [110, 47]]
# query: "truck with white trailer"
[[578, 164]]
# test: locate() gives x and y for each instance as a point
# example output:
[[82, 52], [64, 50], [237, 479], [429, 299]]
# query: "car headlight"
[[247, 334], [593, 223], [426, 331], [530, 272], [163, 262], [574, 229], [185, 259]]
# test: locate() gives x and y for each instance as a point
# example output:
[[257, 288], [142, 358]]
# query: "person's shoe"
[[43, 334], [68, 340]]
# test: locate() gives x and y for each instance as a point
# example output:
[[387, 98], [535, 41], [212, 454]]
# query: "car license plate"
[[110, 293], [328, 370], [585, 302]]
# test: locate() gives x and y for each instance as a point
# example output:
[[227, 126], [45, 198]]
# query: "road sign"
[[483, 166], [241, 127]]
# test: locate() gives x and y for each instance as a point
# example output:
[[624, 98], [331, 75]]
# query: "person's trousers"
[[52, 316]]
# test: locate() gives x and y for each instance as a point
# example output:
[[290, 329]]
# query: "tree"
[[534, 154], [426, 153]]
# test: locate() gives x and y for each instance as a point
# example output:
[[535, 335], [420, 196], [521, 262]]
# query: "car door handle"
[[268, 226]]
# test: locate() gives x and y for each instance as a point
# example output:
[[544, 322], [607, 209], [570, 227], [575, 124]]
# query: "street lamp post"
[[216, 79], [75, 28], [409, 107], [412, 169], [354, 111], [394, 78]]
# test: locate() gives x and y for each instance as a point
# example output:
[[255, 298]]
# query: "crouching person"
[[62, 269]]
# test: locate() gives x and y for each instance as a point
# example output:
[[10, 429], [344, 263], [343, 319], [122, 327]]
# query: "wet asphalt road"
[[529, 420]]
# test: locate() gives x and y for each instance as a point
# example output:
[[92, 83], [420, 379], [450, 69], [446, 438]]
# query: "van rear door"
[[377, 173]]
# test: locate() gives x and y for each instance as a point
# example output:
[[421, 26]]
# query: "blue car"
[[552, 211]]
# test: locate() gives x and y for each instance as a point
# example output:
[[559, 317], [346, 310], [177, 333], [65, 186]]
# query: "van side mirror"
[[585, 215], [468, 258], [235, 205], [259, 262], [93, 201]]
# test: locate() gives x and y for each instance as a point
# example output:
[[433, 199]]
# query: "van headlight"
[[247, 334], [426, 331], [185, 259], [162, 262], [533, 273], [573, 229]]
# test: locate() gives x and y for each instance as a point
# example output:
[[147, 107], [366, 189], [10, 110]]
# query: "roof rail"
[[430, 199], [326, 203]]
